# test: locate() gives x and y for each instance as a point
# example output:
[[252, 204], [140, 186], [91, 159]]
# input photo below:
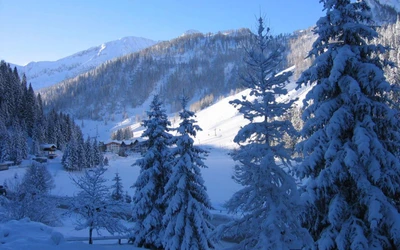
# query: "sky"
[[48, 30]]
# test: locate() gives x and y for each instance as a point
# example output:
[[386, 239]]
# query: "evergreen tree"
[[269, 198], [128, 198], [351, 147], [117, 193], [19, 147], [29, 109], [98, 156], [38, 179], [29, 197], [70, 160], [5, 143], [82, 160], [89, 153], [149, 208], [187, 217], [66, 158], [105, 161]]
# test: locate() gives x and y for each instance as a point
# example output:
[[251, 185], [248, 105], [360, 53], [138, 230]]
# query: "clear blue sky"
[[47, 30]]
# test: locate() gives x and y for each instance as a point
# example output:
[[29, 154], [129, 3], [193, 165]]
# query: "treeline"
[[80, 154], [122, 134], [23, 124]]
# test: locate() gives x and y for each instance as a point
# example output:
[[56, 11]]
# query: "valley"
[[235, 139]]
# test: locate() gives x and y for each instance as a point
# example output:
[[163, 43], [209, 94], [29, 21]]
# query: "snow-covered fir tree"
[[118, 192], [70, 157], [79, 154], [5, 143], [89, 152], [98, 154], [351, 149], [187, 217], [38, 179], [128, 198], [269, 201], [94, 205], [29, 196], [148, 205], [23, 125]]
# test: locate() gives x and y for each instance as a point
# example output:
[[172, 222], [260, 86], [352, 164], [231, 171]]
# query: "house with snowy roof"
[[48, 150]]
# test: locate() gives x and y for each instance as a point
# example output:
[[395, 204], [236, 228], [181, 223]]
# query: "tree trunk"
[[90, 236]]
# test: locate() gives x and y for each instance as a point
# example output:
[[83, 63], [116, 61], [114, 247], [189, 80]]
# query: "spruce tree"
[[98, 155], [269, 199], [89, 153], [5, 143], [148, 205], [128, 198], [70, 160], [117, 193], [187, 217], [351, 147]]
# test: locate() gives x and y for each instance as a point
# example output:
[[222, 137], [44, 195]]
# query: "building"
[[49, 150], [112, 147], [117, 147]]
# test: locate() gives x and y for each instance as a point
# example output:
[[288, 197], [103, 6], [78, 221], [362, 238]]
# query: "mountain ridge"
[[199, 64], [43, 74], [384, 11]]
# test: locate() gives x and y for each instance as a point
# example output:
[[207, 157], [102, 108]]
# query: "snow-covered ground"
[[220, 123], [32, 235]]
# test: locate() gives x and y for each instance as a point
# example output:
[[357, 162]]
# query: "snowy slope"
[[384, 11], [190, 32], [393, 3], [44, 74], [220, 123]]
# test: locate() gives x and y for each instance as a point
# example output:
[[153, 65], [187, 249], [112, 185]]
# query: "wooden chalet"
[[5, 165], [49, 150]]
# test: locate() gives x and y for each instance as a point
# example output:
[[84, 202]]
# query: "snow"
[[25, 234], [220, 123], [394, 3], [190, 32], [219, 189], [46, 73]]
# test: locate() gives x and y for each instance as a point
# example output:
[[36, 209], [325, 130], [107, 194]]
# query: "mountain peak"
[[190, 32], [43, 74], [384, 11]]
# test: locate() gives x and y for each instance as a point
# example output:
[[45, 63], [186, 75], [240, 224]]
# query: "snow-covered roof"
[[127, 142], [48, 146]]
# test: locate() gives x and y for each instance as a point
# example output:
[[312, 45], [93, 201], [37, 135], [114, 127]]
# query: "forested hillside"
[[46, 73], [201, 65], [23, 125], [204, 66]]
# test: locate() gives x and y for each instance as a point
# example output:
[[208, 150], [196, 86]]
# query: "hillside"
[[384, 11], [197, 64], [44, 74], [204, 66]]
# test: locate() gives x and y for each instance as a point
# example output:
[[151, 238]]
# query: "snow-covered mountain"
[[190, 32], [393, 3], [199, 64], [47, 73], [384, 11]]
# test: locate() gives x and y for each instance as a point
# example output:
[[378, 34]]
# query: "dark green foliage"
[[22, 119]]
